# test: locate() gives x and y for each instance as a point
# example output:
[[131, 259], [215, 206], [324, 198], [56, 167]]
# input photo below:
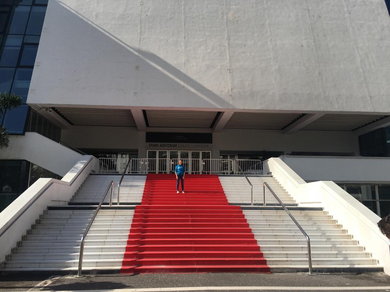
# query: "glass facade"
[[39, 124], [375, 143], [16, 176], [374, 197], [13, 180], [21, 23]]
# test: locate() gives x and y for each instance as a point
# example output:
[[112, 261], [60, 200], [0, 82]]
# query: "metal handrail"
[[294, 220], [120, 182], [249, 182], [81, 254]]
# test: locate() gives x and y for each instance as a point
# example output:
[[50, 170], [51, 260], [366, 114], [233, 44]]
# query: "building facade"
[[201, 79]]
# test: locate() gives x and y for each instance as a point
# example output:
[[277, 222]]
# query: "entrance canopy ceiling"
[[261, 121], [207, 120], [97, 117], [333, 122], [180, 119]]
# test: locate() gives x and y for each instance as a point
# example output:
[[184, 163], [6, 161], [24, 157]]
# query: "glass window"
[[31, 39], [11, 51], [384, 192], [22, 83], [4, 12], [40, 124], [15, 120], [371, 205], [37, 172], [36, 20], [19, 20], [385, 208], [6, 76], [29, 54], [41, 2], [362, 192], [25, 2]]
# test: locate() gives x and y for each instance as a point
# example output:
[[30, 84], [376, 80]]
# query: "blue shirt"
[[180, 169]]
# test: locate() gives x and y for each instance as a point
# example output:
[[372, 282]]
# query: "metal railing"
[[81, 254], [193, 166], [294, 220], [250, 184], [120, 181]]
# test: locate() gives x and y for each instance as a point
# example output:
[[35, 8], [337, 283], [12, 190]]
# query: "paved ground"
[[204, 282]]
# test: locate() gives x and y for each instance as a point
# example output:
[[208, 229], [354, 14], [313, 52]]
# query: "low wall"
[[340, 169], [18, 217], [354, 216]]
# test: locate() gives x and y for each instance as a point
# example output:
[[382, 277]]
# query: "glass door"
[[123, 159], [162, 165], [174, 157], [184, 156], [195, 164]]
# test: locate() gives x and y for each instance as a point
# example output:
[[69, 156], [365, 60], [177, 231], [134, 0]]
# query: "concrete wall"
[[271, 55], [42, 151], [341, 169]]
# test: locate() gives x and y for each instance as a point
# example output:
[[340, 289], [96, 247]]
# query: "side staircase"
[[53, 242], [282, 243]]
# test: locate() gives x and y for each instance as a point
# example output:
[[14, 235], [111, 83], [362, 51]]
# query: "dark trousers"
[[180, 179]]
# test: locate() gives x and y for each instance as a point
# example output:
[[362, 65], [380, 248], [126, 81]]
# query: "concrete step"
[[316, 254], [320, 261], [317, 247]]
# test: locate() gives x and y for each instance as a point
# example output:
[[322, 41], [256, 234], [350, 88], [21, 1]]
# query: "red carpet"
[[193, 232]]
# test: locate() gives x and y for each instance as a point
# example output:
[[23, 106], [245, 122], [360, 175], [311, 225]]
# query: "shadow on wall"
[[110, 70]]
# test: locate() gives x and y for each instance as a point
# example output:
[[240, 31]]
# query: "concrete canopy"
[[272, 55]]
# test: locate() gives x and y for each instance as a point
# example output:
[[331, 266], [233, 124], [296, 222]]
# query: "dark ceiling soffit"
[[293, 121], [145, 118], [374, 121], [62, 116], [215, 119]]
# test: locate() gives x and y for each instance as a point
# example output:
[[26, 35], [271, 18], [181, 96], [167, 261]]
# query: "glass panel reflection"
[[36, 20], [6, 76], [15, 120], [19, 20], [11, 50]]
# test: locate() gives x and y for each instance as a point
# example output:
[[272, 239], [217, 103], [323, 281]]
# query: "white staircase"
[[283, 244], [237, 190], [93, 189], [54, 242]]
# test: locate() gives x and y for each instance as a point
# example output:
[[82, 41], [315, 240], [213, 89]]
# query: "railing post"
[[81, 255], [309, 255], [264, 203], [111, 197], [252, 197]]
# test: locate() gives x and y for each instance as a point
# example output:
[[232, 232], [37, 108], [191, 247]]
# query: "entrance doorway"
[[164, 161]]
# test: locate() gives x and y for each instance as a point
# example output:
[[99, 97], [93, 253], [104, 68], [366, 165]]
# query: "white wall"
[[273, 55], [42, 151], [18, 217], [353, 215], [345, 142], [341, 169]]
